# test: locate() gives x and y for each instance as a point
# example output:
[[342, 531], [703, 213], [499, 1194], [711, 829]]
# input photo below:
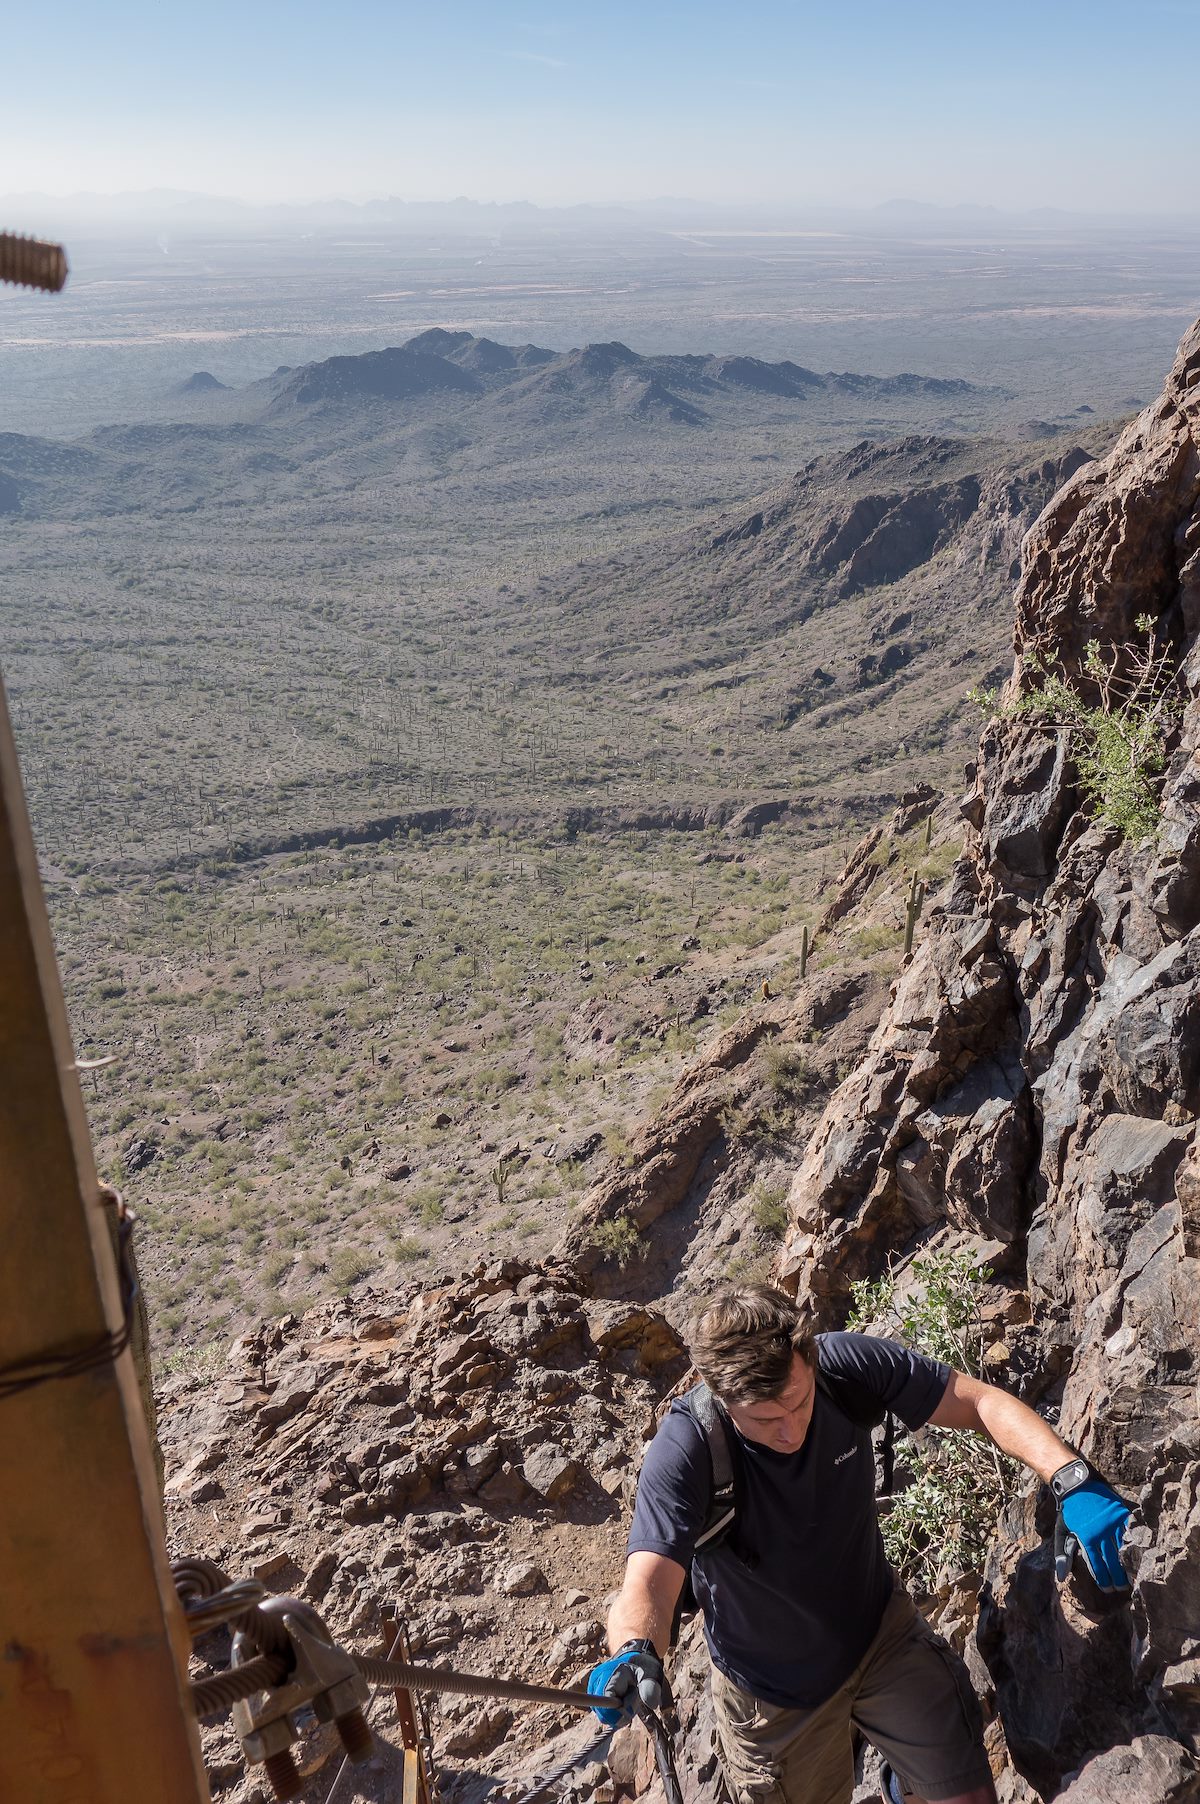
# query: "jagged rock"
[[441, 1629], [1027, 796], [573, 1646], [319, 1577], [475, 1465], [667, 1153], [138, 1154], [480, 1730], [1151, 1770], [550, 1472], [857, 876], [203, 1490], [645, 1333], [507, 1487], [288, 1399]]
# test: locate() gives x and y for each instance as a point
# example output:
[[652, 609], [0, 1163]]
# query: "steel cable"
[[592, 1750], [210, 1597], [476, 1685], [231, 1605], [223, 1690]]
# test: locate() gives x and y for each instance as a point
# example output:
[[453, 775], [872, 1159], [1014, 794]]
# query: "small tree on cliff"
[[1119, 740]]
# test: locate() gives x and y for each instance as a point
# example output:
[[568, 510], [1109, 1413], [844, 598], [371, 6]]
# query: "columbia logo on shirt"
[[843, 1457]]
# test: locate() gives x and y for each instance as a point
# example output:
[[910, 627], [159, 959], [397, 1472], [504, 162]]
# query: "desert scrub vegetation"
[[347, 1267], [1118, 716], [939, 1524], [253, 1057], [768, 1208], [790, 1074], [619, 1239]]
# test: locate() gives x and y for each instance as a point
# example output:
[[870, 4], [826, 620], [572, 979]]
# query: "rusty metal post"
[[418, 1783], [93, 1654]]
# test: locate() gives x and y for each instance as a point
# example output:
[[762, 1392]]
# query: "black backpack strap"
[[704, 1408]]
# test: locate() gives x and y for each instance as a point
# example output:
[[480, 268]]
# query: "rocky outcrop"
[[688, 1136], [866, 863], [884, 537], [1034, 1087], [460, 1455]]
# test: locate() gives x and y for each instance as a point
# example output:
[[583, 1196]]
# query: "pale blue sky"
[[1078, 103]]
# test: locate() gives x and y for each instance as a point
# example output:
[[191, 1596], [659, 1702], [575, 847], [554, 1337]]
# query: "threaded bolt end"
[[356, 1736], [285, 1780], [32, 263]]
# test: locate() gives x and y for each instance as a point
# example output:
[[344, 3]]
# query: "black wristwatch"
[[1069, 1478], [641, 1644]]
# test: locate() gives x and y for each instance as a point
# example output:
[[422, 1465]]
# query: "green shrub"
[[748, 1268], [940, 1523], [619, 1239], [768, 1206], [347, 1266], [428, 1205], [616, 1145], [1119, 740], [276, 1268], [789, 1073]]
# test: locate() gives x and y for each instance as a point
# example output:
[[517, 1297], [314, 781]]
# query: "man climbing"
[[809, 1635]]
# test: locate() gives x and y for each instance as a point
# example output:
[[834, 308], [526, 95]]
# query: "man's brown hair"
[[742, 1343]]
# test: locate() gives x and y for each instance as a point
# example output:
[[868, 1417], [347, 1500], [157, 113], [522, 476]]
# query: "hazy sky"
[[1088, 103]]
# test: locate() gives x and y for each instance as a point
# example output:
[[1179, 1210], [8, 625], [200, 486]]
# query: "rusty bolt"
[[32, 263], [285, 1780], [356, 1736]]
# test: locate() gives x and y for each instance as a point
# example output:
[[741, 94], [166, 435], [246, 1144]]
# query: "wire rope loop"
[[229, 1605], [106, 1349]]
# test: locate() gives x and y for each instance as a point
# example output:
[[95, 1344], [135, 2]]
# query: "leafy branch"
[[940, 1523]]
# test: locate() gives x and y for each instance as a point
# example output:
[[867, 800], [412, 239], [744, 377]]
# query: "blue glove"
[[1095, 1517], [633, 1674]]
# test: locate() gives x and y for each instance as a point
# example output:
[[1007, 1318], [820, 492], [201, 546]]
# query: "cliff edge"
[[1033, 1090]]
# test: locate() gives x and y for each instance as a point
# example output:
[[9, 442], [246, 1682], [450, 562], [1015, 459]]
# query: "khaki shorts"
[[910, 1696]]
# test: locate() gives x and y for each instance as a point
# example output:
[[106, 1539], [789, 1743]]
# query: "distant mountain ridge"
[[441, 358], [448, 400]]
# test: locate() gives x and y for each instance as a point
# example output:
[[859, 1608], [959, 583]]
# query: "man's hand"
[[1096, 1517], [635, 1669]]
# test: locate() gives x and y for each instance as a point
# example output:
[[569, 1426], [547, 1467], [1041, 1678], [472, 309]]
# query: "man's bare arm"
[[645, 1604], [1009, 1423]]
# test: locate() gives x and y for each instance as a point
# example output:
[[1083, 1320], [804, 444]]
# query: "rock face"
[[1034, 1088]]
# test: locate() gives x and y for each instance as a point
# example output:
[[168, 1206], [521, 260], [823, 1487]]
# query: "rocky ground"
[[1031, 1091], [462, 1457]]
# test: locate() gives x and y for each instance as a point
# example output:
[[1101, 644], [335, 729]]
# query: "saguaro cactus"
[[912, 911]]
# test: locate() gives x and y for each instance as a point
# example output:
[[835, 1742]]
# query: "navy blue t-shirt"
[[794, 1598]]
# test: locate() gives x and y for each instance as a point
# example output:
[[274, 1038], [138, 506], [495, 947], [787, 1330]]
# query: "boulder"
[[551, 1472], [521, 1579]]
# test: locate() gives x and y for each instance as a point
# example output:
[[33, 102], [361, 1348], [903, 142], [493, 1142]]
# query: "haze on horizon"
[[776, 106]]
